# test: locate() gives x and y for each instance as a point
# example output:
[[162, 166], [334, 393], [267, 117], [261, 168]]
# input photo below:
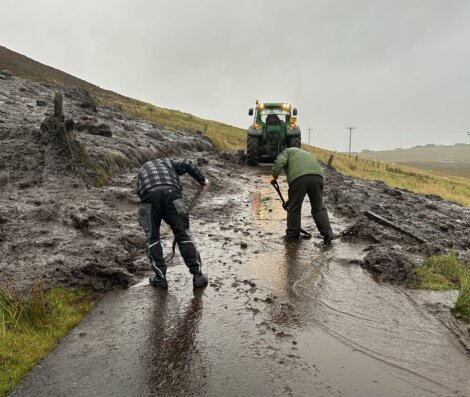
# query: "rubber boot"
[[199, 280]]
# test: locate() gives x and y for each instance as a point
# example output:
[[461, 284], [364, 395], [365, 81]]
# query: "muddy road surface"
[[275, 319]]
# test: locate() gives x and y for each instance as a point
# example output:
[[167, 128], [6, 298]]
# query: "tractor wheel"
[[252, 150], [295, 141]]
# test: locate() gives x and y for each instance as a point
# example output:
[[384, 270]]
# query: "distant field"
[[448, 160], [447, 168]]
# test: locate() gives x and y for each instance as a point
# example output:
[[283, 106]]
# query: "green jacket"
[[296, 162]]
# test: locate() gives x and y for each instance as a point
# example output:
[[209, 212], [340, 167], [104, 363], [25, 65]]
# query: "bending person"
[[304, 176], [160, 192]]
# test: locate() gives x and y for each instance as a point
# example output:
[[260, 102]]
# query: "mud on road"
[[274, 319]]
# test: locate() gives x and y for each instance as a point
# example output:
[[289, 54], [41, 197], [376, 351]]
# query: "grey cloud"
[[397, 69]]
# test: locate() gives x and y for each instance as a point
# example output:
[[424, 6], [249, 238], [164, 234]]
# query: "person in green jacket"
[[304, 176]]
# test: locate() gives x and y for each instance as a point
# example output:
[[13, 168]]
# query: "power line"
[[350, 134], [309, 129]]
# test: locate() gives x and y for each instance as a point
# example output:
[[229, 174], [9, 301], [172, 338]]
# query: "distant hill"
[[223, 135], [30, 69], [450, 160]]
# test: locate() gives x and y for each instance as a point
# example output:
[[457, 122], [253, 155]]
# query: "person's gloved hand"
[[272, 180], [286, 205]]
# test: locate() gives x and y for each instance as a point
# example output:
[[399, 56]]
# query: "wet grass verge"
[[446, 272], [30, 327]]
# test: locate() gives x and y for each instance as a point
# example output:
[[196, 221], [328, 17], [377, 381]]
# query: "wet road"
[[275, 320]]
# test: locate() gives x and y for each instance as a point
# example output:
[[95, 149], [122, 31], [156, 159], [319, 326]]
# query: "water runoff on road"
[[275, 319]]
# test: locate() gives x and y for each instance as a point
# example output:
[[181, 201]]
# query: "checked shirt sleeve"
[[186, 166]]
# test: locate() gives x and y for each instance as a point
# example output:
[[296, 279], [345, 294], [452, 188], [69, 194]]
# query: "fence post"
[[59, 105], [330, 160]]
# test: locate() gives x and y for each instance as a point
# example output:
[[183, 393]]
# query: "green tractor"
[[274, 128]]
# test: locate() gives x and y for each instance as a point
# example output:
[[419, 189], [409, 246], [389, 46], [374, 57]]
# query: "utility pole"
[[350, 133], [309, 129]]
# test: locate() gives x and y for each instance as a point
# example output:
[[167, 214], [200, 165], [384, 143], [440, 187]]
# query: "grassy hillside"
[[223, 135], [449, 160], [454, 189]]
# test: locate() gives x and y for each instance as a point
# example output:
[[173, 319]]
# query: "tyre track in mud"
[[274, 320], [361, 344]]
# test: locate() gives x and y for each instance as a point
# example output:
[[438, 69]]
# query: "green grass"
[[449, 188], [442, 272], [31, 326], [447, 272], [462, 305]]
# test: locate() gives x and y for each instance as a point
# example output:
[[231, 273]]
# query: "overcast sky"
[[397, 70]]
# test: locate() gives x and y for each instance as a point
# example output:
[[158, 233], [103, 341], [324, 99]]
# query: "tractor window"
[[280, 113]]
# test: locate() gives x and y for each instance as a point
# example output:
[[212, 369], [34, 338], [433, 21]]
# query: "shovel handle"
[[276, 187], [284, 205]]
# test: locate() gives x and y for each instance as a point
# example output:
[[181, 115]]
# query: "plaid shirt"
[[165, 172]]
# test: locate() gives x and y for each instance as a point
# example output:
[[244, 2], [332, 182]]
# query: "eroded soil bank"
[[275, 319], [56, 227]]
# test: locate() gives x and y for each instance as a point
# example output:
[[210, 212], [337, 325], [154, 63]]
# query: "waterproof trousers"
[[311, 185], [166, 203]]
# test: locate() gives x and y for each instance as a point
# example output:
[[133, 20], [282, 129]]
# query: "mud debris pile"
[[430, 225], [68, 220]]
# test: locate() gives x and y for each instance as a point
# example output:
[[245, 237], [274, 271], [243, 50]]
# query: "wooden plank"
[[386, 222]]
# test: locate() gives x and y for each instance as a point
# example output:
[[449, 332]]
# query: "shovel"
[[286, 207]]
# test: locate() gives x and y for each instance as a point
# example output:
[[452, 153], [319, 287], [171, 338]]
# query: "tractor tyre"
[[295, 141], [252, 150]]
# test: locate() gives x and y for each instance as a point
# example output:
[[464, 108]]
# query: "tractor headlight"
[[293, 120]]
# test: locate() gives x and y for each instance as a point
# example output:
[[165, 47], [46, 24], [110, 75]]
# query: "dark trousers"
[[313, 186], [166, 203]]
